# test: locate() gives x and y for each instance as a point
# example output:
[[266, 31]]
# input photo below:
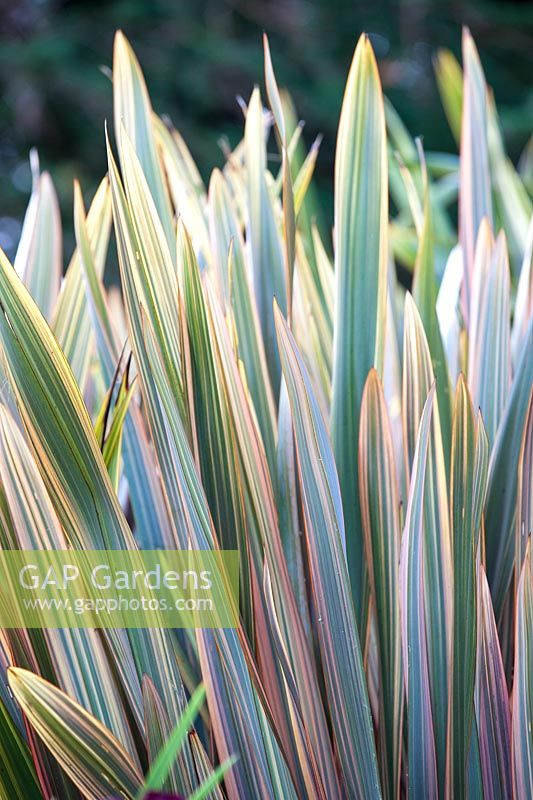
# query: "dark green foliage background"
[[198, 55]]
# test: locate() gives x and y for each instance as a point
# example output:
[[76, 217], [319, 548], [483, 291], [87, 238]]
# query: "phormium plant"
[[367, 450]]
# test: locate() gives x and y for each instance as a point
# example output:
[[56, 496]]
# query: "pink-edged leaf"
[[489, 348], [524, 492], [380, 512], [324, 528], [491, 700], [360, 244], [474, 197], [422, 770], [522, 730], [468, 485]]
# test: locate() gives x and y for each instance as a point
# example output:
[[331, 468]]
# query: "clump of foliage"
[[367, 450]]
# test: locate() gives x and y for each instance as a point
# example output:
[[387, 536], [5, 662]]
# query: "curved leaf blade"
[[88, 752]]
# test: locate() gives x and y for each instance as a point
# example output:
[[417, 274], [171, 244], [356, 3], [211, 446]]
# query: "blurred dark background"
[[197, 55]]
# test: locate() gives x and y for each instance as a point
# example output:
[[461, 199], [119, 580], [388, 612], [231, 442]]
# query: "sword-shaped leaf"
[[133, 111], [324, 529], [475, 201], [450, 84], [186, 187], [422, 769], [59, 426], [60, 655], [425, 297], [71, 320], [523, 310], [17, 773], [503, 479], [289, 213], [380, 510], [524, 493], [522, 730], [152, 526], [361, 206], [72, 466], [417, 381], [263, 522], [262, 235], [489, 351], [90, 755], [40, 252], [231, 267], [239, 723], [468, 484], [491, 699]]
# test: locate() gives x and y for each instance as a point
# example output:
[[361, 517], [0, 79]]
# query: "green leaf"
[[422, 769], [380, 511], [325, 538], [71, 321], [361, 203], [468, 483], [75, 659], [450, 84], [302, 182], [210, 784], [229, 251], [186, 187], [110, 424], [503, 480], [17, 773], [289, 213], [56, 418], [425, 296], [161, 767], [74, 470], [475, 200], [88, 752], [287, 504], [39, 259], [523, 310], [217, 458], [489, 351], [524, 492], [147, 270], [262, 234], [492, 699], [133, 113], [35, 522], [151, 519], [522, 712], [305, 698], [418, 379], [312, 322]]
